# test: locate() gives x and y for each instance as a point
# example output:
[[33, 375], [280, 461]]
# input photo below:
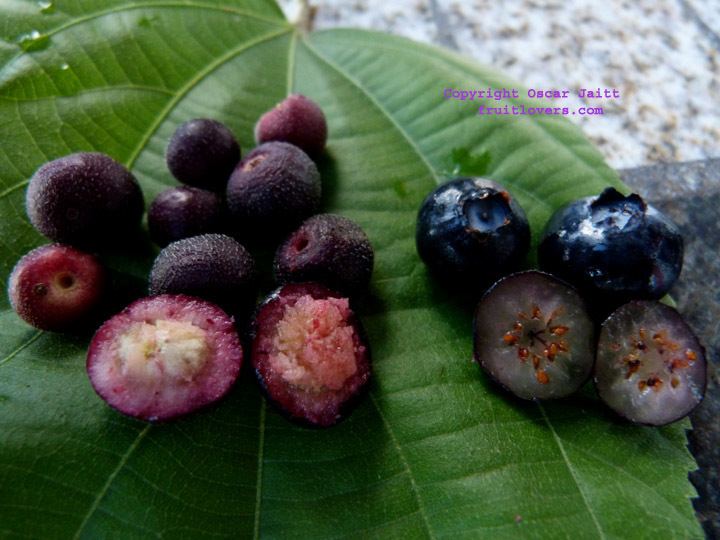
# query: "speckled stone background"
[[664, 57]]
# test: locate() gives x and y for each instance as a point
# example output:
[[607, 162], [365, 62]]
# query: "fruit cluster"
[[179, 349], [610, 256]]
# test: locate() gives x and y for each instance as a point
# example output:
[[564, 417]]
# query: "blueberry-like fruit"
[[471, 231], [181, 212], [327, 248], [613, 248], [203, 153], [214, 267], [650, 367], [297, 120], [84, 199], [534, 336], [165, 356], [272, 190], [56, 287], [310, 354]]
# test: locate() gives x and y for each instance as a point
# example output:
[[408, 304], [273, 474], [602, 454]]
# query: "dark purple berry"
[[327, 248], [613, 248], [214, 267], [650, 367], [165, 356], [471, 231], [56, 287], [297, 120], [272, 190], [85, 199], [203, 153], [309, 353], [534, 336], [181, 212]]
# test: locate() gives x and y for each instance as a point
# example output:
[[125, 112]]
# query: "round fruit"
[[203, 153], [534, 336], [85, 199], [164, 356], [471, 230], [650, 367], [613, 248], [56, 287], [273, 189], [329, 249], [297, 120], [214, 267], [310, 354], [181, 212]]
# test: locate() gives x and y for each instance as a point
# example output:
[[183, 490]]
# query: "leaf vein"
[[106, 487], [572, 471]]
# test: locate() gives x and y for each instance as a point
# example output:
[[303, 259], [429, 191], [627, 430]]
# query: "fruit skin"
[[534, 336], [181, 212], [150, 388], [203, 153], [85, 199], [613, 248], [272, 190], [673, 382], [327, 248], [297, 120], [321, 409], [56, 287], [470, 231], [214, 267]]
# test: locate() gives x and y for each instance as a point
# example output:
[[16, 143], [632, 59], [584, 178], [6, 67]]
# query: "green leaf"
[[435, 450]]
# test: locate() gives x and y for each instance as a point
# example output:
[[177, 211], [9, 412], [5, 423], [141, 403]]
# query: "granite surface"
[[662, 55], [690, 194]]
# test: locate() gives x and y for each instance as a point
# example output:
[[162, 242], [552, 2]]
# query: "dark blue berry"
[[471, 230], [613, 248]]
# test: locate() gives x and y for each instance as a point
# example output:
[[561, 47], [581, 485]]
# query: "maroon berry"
[[214, 267], [327, 248], [203, 153], [273, 189], [650, 367], [181, 212], [56, 287], [310, 354], [297, 120], [84, 199], [164, 356], [534, 336]]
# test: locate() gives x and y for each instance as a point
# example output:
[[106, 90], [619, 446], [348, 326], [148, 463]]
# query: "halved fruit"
[[310, 354], [533, 335], [650, 366], [165, 356]]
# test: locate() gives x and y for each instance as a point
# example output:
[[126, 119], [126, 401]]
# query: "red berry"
[[55, 287], [297, 120]]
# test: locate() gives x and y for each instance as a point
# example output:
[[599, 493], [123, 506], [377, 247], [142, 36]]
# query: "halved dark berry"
[[650, 367], [165, 356], [56, 287], [310, 354], [534, 336]]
